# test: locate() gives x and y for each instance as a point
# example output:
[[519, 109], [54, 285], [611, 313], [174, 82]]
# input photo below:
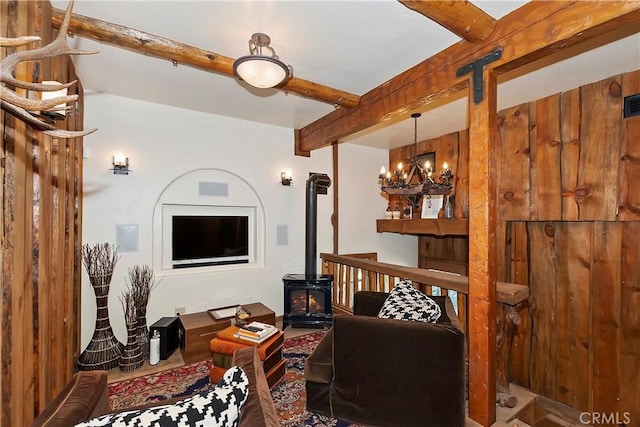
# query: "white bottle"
[[154, 348]]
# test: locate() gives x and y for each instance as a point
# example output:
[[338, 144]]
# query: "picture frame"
[[431, 205], [431, 157]]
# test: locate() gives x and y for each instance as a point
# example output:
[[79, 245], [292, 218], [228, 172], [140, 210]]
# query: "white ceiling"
[[349, 45]]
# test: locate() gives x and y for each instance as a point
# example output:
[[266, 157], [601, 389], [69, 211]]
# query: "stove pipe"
[[316, 182]]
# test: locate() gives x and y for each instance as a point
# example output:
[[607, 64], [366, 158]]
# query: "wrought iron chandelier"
[[419, 181]]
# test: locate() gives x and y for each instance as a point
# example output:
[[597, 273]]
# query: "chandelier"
[[420, 180]]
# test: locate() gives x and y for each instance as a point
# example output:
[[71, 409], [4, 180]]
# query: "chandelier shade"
[[262, 68]]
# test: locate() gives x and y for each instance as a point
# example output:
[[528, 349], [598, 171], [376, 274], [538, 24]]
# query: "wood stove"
[[307, 301], [307, 297]]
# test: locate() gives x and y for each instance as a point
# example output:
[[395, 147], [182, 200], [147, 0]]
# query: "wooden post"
[[482, 254], [336, 204]]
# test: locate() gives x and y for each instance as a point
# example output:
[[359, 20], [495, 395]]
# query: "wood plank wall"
[[40, 257], [569, 210]]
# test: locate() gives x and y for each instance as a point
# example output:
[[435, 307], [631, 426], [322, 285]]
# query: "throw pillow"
[[218, 406], [407, 303]]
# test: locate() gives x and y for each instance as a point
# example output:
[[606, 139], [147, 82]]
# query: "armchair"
[[383, 372]]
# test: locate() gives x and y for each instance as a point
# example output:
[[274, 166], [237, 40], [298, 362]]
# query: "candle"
[[427, 165], [383, 171], [399, 166], [445, 166], [388, 175]]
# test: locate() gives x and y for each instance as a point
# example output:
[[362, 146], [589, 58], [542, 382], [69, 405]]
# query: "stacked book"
[[269, 349], [256, 332]]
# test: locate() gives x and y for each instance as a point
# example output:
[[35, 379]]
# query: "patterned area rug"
[[289, 395], [176, 382]]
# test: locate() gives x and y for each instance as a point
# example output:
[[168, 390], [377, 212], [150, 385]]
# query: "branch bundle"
[[99, 260], [141, 278]]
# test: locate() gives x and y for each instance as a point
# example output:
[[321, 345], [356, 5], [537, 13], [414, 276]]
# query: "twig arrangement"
[[99, 260], [104, 350], [142, 283], [132, 357]]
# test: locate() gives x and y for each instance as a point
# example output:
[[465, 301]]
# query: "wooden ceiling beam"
[[181, 53], [462, 18], [531, 32]]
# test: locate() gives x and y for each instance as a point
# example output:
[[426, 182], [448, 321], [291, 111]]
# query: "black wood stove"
[[307, 297]]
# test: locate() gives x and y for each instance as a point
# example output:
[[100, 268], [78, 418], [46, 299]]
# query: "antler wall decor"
[[20, 106]]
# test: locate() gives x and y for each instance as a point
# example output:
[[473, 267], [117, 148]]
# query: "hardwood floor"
[[174, 361]]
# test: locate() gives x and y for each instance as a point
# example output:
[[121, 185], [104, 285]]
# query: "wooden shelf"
[[435, 227]]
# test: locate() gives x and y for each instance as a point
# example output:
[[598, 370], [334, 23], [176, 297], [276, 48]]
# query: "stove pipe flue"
[[317, 182]]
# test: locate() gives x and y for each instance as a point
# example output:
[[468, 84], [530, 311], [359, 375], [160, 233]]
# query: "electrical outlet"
[[179, 311]]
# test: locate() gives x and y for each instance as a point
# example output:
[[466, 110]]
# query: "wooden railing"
[[362, 272]]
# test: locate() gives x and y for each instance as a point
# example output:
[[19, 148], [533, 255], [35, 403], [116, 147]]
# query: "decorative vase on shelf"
[[141, 278], [104, 350], [396, 213], [448, 207], [407, 212], [388, 214]]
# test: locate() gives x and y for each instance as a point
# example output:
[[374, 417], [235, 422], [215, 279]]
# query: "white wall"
[[361, 203], [163, 143]]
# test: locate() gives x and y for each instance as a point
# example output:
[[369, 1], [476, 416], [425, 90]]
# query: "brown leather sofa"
[[382, 372], [86, 397]]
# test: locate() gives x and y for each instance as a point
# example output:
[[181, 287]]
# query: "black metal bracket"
[[476, 68]]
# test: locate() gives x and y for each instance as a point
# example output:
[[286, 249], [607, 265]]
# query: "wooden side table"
[[198, 329]]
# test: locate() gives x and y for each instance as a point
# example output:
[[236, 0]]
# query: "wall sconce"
[[120, 164], [286, 178]]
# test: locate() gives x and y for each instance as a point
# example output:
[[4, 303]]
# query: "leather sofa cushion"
[[84, 397], [258, 410]]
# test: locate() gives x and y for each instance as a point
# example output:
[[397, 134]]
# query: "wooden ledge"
[[511, 293], [436, 227]]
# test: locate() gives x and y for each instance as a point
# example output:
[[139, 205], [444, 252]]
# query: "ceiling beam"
[[529, 33], [462, 18], [181, 53]]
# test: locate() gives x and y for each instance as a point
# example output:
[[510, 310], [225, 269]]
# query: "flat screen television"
[[205, 240]]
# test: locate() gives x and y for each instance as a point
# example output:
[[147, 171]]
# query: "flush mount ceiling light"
[[262, 69]]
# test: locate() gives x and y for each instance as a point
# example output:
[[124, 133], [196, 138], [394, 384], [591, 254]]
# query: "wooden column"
[[39, 263], [482, 254], [336, 204]]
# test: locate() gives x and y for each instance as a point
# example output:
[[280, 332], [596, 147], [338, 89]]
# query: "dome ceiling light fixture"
[[262, 68]]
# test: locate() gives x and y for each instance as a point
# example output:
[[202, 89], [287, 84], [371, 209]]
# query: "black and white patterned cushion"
[[218, 406], [407, 303]]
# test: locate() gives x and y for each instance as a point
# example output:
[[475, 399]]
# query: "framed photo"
[[431, 205]]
